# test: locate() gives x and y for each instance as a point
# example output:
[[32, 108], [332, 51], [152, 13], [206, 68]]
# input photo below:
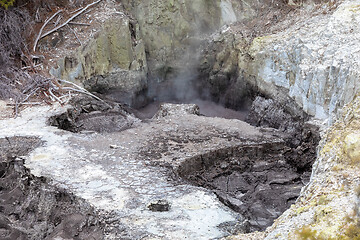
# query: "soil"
[[30, 208]]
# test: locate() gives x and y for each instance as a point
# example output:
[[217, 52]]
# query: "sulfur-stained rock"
[[352, 147], [114, 60], [326, 206]]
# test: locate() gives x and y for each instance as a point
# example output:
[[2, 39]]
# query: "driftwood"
[[69, 20]]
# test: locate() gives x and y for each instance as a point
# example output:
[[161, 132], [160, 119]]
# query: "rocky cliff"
[[112, 59], [328, 207], [310, 66]]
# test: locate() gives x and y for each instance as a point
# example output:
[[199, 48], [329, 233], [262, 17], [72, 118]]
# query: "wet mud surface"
[[262, 180], [255, 181], [88, 114], [207, 108], [30, 208], [170, 177]]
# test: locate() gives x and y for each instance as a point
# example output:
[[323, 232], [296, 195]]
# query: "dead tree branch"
[[73, 31], [79, 89], [78, 23], [42, 28], [70, 19]]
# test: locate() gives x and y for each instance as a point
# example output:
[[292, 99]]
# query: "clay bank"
[[209, 126]]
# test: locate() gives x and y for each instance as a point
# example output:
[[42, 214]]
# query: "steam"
[[179, 85]]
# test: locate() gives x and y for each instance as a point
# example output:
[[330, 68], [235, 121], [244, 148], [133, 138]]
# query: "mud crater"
[[254, 180], [88, 114], [259, 181]]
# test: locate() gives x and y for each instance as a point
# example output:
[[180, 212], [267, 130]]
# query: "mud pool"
[[178, 157], [207, 108]]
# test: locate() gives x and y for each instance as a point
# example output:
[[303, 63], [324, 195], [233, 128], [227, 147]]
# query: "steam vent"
[[180, 119]]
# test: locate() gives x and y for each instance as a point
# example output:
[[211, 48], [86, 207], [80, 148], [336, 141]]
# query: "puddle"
[[207, 108]]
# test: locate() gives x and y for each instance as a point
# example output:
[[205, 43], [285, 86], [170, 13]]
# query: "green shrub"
[[6, 3]]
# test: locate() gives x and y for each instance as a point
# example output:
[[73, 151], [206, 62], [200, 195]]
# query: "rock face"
[[160, 42], [328, 206], [174, 29], [302, 67], [112, 61], [307, 63]]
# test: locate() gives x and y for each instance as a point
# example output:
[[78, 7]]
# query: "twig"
[[35, 66], [29, 95], [55, 97], [73, 31], [79, 89], [37, 16], [57, 20], [78, 23], [70, 19], [75, 11], [71, 83], [42, 28], [25, 103], [16, 108], [84, 92]]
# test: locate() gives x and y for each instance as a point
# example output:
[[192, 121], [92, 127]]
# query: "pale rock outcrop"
[[316, 65], [329, 204], [312, 66]]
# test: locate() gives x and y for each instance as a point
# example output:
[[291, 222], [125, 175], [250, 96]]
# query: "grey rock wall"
[[114, 60], [310, 67]]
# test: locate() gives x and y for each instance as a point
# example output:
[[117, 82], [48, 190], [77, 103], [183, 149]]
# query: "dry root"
[[48, 90]]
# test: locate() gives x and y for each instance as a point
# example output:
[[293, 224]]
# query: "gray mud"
[[207, 108], [88, 114], [30, 208], [262, 180], [257, 172], [255, 181]]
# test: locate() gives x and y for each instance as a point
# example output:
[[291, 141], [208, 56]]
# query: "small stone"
[[114, 146], [159, 206], [224, 165]]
